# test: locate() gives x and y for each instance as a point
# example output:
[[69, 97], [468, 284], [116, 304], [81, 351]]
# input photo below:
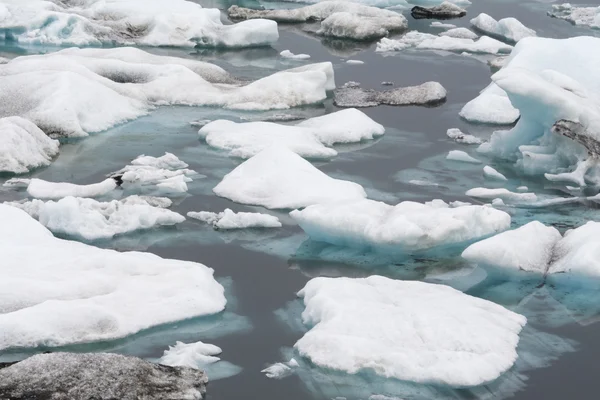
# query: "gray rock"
[[577, 132], [426, 94], [98, 376], [446, 10]]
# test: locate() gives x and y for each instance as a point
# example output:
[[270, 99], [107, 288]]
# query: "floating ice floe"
[[91, 220], [342, 19], [23, 146], [461, 33], [509, 29], [442, 25], [502, 193], [561, 142], [280, 370], [73, 92], [308, 138], [130, 22], [446, 10], [356, 62], [279, 178], [232, 220], [426, 94], [289, 54], [491, 173], [99, 376], [411, 331], [584, 16], [426, 41], [192, 355], [461, 156], [41, 189], [460, 137], [528, 248], [406, 226], [67, 292]]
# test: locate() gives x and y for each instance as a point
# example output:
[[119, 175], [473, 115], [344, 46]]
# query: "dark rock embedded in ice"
[[577, 132], [98, 376], [426, 94], [445, 10]]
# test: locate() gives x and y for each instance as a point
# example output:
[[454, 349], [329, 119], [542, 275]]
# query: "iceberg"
[[73, 92], [461, 33], [91, 220], [340, 19], [232, 220], [69, 376], [41, 189], [407, 226], [461, 156], [425, 94], [528, 248], [460, 137], [502, 193], [407, 330], [492, 106], [446, 10], [426, 41], [279, 178], [308, 138], [509, 29], [576, 254], [67, 292], [23, 146], [583, 16], [128, 22], [491, 173]]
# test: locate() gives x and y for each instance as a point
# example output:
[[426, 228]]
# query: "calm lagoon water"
[[262, 270]]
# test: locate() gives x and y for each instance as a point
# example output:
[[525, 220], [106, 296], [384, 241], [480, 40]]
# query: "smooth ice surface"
[[232, 220], [460, 137], [42, 189], [405, 226], [341, 19], [69, 376], [90, 219], [289, 54], [407, 330], [461, 156], [73, 92], [492, 106], [308, 138], [23, 146], [509, 29], [128, 22], [426, 41], [501, 193], [279, 178], [428, 93], [577, 253], [528, 248], [493, 174], [192, 355], [584, 16], [67, 292]]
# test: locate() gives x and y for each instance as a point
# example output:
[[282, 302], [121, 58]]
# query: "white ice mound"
[[193, 355], [406, 226], [584, 16], [65, 292], [279, 178], [528, 248], [166, 174], [492, 106], [412, 331], [426, 41], [342, 19], [90, 219], [308, 138], [461, 156], [577, 254], [41, 189], [509, 29], [23, 146], [493, 174], [232, 220], [559, 106], [501, 193], [77, 91], [289, 54], [128, 22]]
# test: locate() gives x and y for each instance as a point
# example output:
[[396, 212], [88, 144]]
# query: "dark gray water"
[[263, 270]]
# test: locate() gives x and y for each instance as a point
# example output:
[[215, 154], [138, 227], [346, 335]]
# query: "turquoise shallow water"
[[263, 270]]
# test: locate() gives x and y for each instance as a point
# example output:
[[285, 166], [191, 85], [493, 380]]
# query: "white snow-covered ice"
[[582, 16], [460, 137], [412, 331], [493, 174], [502, 193], [289, 54], [194, 355], [462, 33], [509, 29], [232, 220], [426, 41]]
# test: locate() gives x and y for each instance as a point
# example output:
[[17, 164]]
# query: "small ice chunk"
[[407, 330], [528, 248], [354, 62], [23, 146], [522, 189], [280, 370], [446, 10], [231, 220], [442, 25], [168, 161], [461, 33], [193, 355], [200, 123], [509, 29], [289, 54], [387, 83], [428, 93], [459, 155], [42, 189], [418, 182], [405, 226], [581, 16], [17, 182], [491, 173], [498, 203], [501, 193], [459, 137], [279, 178]]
